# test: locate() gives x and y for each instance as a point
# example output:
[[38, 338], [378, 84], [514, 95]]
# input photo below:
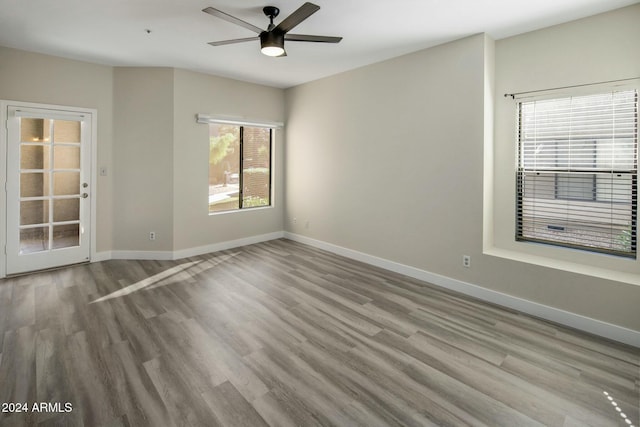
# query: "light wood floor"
[[282, 334]]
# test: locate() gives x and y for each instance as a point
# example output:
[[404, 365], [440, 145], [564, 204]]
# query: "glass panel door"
[[47, 190]]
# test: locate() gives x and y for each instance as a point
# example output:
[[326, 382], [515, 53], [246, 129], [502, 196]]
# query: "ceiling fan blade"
[[222, 15], [303, 12], [223, 42], [308, 38]]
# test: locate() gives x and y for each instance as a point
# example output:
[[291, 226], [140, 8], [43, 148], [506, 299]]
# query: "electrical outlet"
[[152, 235], [295, 220], [466, 261]]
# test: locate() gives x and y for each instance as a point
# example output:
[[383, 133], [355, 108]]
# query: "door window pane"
[[65, 236], [34, 156], [34, 212], [66, 131], [34, 240], [34, 184], [66, 157], [66, 210], [34, 130], [66, 183]]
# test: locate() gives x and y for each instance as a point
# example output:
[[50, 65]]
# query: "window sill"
[[236, 211], [572, 267]]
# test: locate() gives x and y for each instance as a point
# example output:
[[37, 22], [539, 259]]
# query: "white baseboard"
[[189, 252], [215, 247], [143, 255], [101, 256], [573, 320]]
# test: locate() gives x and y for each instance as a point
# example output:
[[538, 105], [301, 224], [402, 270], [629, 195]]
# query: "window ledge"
[[235, 211], [572, 267]]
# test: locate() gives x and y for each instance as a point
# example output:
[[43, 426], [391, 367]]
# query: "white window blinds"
[[577, 172]]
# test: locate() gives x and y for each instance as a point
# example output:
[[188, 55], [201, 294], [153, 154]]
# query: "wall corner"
[[488, 159]]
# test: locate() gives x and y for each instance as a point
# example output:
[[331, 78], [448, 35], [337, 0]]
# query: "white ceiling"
[[113, 31]]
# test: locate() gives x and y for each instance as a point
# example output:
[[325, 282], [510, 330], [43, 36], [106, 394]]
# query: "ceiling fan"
[[272, 39]]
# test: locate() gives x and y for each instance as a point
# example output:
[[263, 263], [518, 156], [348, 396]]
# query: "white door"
[[48, 188]]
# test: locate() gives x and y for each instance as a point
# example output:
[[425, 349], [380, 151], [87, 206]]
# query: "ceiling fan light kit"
[[272, 39], [271, 43]]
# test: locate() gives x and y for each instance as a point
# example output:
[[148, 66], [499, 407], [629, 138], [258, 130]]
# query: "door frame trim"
[[93, 173]]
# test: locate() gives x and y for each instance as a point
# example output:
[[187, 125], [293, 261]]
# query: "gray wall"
[[143, 163], [398, 160], [386, 159], [200, 93], [155, 153], [32, 77], [161, 158]]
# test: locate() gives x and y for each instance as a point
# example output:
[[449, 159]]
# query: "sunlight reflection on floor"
[[167, 277]]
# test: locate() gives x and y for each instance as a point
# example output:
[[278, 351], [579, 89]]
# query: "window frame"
[[241, 169], [521, 172], [241, 123]]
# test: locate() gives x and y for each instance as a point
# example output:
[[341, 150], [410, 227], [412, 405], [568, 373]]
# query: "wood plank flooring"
[[282, 334]]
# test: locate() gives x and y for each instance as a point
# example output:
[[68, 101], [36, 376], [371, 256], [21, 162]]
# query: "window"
[[577, 172], [239, 167]]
